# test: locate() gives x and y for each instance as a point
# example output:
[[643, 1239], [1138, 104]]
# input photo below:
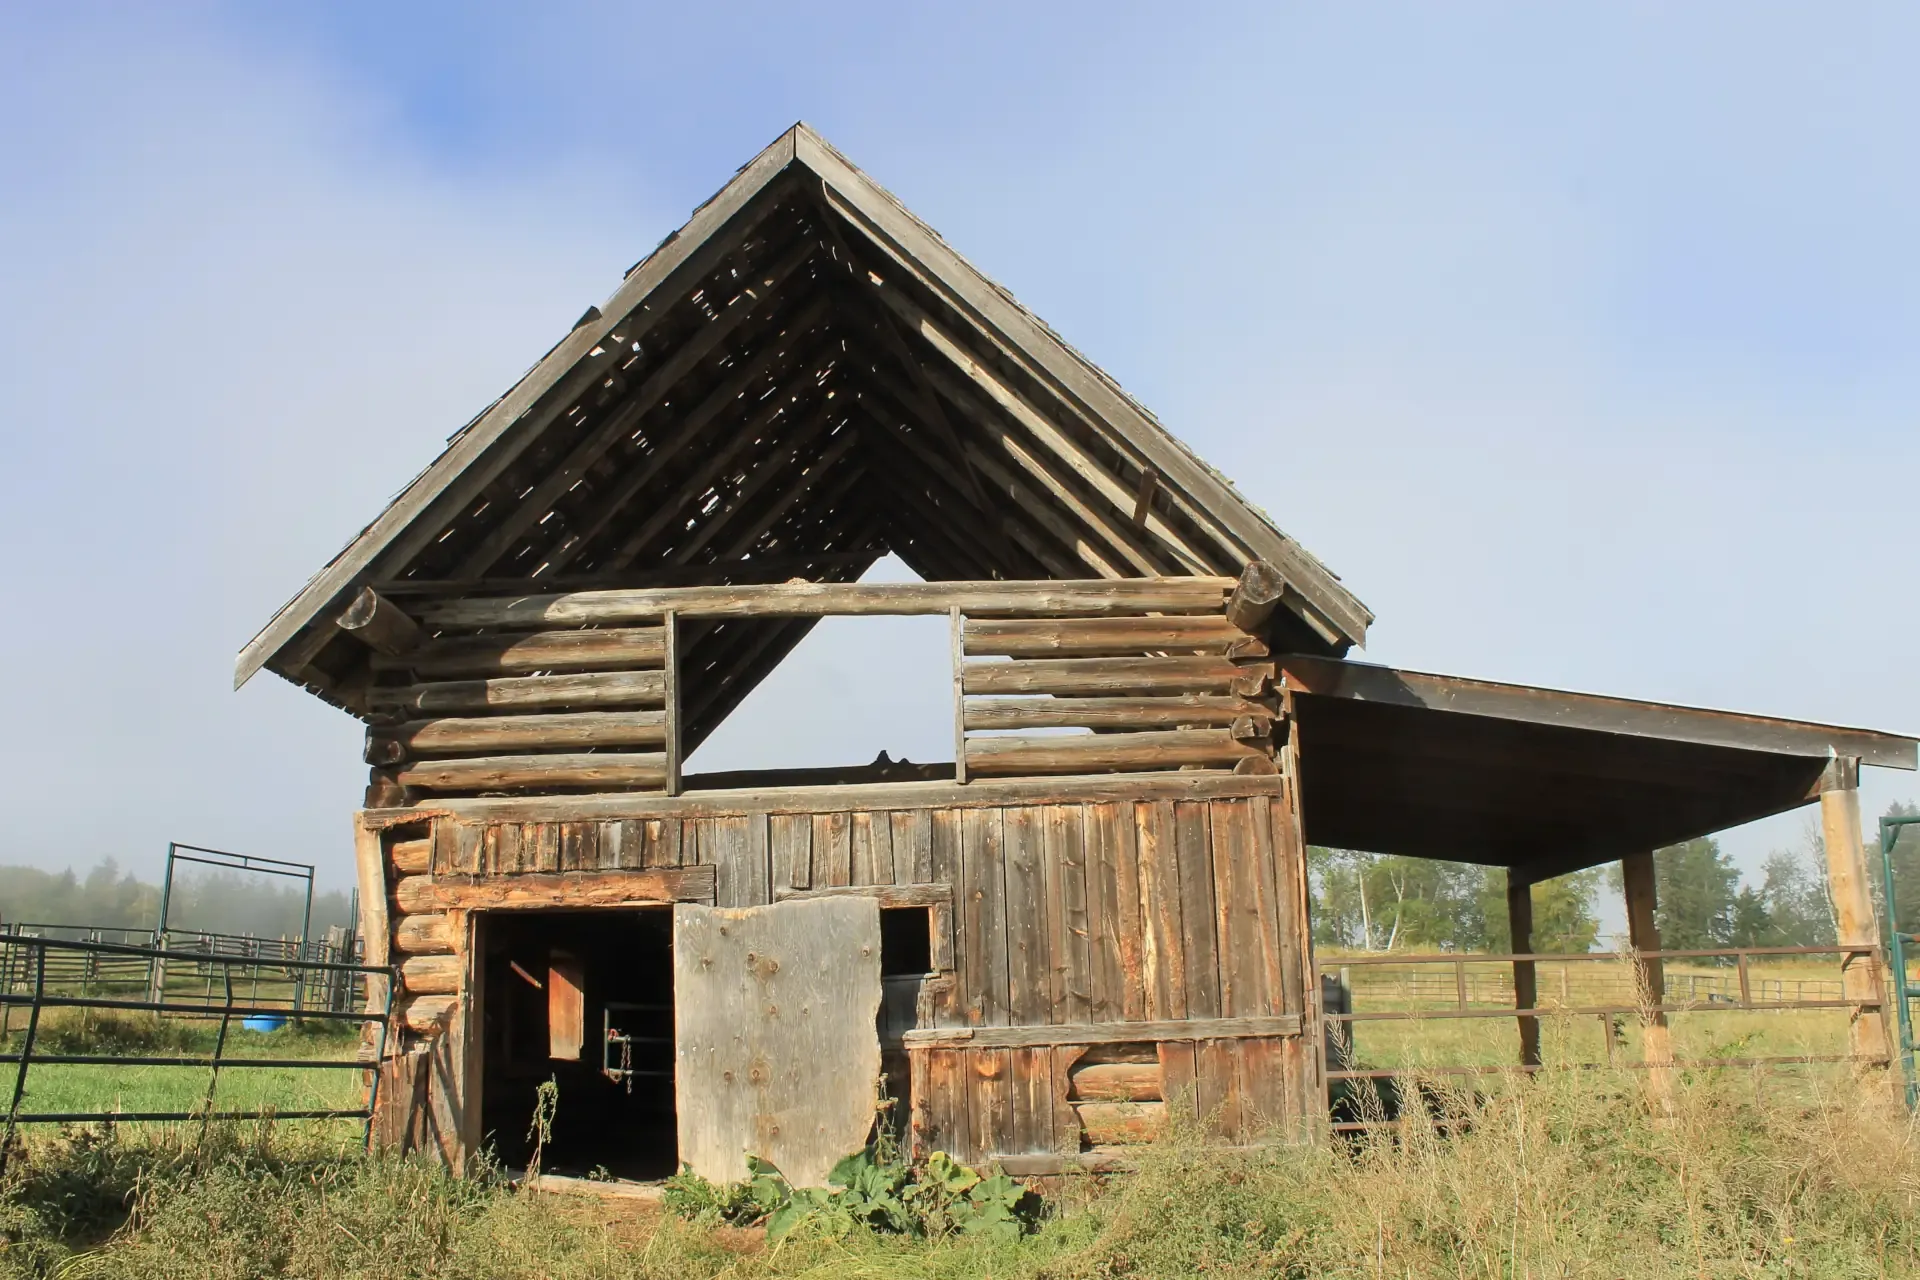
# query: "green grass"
[[65, 1087], [1574, 1173]]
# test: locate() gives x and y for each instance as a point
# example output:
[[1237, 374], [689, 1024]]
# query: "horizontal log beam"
[[1174, 712], [1255, 597], [741, 801], [524, 693], [538, 651], [1111, 675], [888, 895], [425, 1015], [380, 624], [821, 599], [431, 975], [575, 731], [430, 934], [554, 889], [412, 857], [1100, 637], [1250, 1028], [1118, 1082], [520, 773], [1062, 753]]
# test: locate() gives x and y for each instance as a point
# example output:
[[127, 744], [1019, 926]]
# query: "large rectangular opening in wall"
[[858, 699], [585, 999]]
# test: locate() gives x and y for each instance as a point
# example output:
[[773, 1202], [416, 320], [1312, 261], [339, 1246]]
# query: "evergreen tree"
[[1694, 886]]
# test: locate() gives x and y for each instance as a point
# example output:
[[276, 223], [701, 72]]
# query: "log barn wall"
[[1105, 949]]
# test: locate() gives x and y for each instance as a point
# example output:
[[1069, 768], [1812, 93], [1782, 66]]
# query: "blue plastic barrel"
[[264, 1022]]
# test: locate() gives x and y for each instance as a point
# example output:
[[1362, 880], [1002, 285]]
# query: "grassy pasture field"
[[1571, 1173], [1581, 1171]]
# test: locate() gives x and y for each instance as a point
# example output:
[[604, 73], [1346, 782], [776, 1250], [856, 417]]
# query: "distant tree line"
[[214, 901], [1379, 902]]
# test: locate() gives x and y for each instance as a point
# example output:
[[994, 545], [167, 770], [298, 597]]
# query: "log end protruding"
[[1255, 597], [381, 624]]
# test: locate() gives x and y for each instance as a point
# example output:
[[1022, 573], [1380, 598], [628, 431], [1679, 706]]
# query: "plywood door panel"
[[775, 1041]]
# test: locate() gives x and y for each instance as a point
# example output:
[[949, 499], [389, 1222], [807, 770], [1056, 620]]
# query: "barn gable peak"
[[798, 381]]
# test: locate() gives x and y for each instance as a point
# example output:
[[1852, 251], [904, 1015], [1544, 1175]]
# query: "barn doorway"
[[584, 999]]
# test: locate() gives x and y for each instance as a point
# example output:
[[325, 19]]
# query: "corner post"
[[1643, 934], [959, 642], [1862, 976], [1526, 990], [670, 680]]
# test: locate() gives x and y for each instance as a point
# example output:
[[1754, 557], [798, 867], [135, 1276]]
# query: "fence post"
[[1526, 993], [26, 1053], [1847, 885], [1643, 934]]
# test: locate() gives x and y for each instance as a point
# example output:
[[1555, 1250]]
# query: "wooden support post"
[[1254, 597], [381, 624], [671, 642], [1643, 934], [1526, 991], [959, 626], [1863, 977]]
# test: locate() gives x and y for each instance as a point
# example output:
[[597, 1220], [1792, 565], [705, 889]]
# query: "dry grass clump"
[[1569, 1174], [1573, 1173]]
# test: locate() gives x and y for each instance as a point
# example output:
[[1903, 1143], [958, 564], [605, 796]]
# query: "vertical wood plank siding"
[[1063, 914]]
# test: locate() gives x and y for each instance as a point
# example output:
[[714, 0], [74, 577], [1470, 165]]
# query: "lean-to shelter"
[[1097, 910]]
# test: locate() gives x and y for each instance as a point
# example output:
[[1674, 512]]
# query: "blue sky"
[[1579, 339]]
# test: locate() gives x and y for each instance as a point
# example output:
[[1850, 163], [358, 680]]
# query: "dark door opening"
[[584, 998]]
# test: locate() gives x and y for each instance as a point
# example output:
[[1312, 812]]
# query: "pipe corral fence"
[[51, 964]]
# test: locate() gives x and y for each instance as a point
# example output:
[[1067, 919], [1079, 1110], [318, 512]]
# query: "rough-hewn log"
[[1112, 675], [1113, 1123], [1100, 637], [429, 934], [1260, 1027], [1113, 713], [431, 975], [573, 731], [1064, 753], [611, 649], [1118, 1082], [554, 889], [1255, 597], [520, 773], [748, 800], [820, 599], [522, 693], [412, 857], [427, 1015], [380, 624]]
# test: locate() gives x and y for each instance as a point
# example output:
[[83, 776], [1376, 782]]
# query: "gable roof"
[[801, 379]]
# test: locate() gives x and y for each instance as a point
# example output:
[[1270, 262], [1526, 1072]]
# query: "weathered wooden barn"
[[1097, 910]]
